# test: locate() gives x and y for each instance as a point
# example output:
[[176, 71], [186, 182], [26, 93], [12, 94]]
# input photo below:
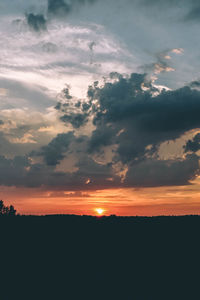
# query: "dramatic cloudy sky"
[[100, 106]]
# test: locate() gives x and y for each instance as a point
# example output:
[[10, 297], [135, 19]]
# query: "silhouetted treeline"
[[7, 210], [83, 257]]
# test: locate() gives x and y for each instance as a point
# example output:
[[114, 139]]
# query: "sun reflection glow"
[[100, 211]]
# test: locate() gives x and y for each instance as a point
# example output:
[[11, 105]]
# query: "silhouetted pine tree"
[[7, 210]]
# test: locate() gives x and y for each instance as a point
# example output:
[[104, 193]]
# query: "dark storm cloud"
[[128, 113], [75, 119], [132, 114], [194, 144], [53, 153], [102, 136], [73, 112], [97, 174], [152, 172], [13, 171], [66, 93], [91, 176], [20, 171], [36, 22], [142, 118], [195, 84]]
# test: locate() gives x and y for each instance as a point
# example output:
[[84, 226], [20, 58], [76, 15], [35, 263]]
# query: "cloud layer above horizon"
[[98, 95]]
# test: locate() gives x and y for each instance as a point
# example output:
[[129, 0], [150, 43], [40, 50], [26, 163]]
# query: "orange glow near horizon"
[[177, 200]]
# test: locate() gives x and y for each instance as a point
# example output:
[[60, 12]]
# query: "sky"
[[100, 106]]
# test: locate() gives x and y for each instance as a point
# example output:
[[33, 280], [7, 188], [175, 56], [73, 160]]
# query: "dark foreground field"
[[74, 257]]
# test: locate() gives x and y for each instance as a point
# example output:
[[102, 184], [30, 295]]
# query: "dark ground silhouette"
[[83, 257]]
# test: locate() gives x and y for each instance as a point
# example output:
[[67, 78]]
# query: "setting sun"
[[99, 211]]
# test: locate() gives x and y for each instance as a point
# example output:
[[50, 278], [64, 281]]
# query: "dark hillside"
[[83, 257]]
